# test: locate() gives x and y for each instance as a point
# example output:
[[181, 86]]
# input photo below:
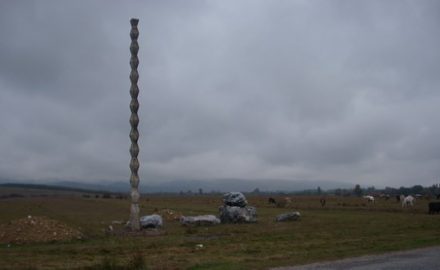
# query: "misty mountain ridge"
[[245, 185], [217, 185]]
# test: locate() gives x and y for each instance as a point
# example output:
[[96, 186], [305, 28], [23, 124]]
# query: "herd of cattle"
[[406, 201]]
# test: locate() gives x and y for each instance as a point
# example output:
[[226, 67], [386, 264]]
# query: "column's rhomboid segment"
[[134, 133]]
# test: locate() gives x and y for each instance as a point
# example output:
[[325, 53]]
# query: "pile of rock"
[[36, 229], [235, 209]]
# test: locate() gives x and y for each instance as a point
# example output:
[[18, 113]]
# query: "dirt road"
[[425, 258]]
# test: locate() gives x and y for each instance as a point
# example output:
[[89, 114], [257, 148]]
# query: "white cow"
[[408, 200], [369, 198], [402, 197]]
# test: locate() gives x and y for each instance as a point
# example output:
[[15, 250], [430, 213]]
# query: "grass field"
[[345, 227]]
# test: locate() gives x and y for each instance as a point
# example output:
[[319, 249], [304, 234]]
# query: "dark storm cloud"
[[328, 90]]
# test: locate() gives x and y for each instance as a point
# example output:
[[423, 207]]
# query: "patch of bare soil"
[[36, 230], [125, 231]]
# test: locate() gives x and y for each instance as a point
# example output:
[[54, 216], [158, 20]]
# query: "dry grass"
[[345, 227]]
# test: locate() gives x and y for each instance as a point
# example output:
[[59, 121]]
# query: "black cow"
[[438, 196], [398, 198], [434, 207], [271, 201], [322, 201]]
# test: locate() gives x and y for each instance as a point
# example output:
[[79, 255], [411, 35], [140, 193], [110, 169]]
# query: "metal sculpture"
[[134, 133]]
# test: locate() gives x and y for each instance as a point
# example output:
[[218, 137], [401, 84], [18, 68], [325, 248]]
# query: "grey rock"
[[151, 221], [234, 199], [199, 220], [292, 216], [235, 214]]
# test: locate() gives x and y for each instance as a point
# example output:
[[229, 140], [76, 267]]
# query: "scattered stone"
[[199, 220], [235, 199], [235, 214], [292, 216], [117, 222], [151, 221]]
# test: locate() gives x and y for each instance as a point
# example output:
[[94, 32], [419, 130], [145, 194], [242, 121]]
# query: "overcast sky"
[[303, 90]]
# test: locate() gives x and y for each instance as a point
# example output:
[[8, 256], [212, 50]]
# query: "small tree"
[[417, 189], [319, 191], [371, 189], [357, 190]]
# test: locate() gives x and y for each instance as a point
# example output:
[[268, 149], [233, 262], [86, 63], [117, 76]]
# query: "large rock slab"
[[235, 214], [234, 199], [199, 220], [292, 216], [151, 221]]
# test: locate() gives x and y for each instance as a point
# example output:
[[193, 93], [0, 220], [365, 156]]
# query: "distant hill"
[[217, 185], [103, 186], [11, 190], [47, 187], [225, 185]]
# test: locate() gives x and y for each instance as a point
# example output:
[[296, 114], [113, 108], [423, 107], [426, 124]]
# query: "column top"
[[134, 21]]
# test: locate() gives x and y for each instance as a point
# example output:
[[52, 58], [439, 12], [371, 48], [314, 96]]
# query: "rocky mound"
[[36, 229], [169, 214]]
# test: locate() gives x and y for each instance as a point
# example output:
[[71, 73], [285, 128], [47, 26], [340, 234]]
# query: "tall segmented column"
[[134, 133]]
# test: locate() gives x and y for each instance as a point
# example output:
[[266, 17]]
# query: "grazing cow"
[[322, 201], [402, 197], [408, 200], [434, 207], [398, 198], [385, 196], [285, 202], [369, 198], [438, 196], [271, 201]]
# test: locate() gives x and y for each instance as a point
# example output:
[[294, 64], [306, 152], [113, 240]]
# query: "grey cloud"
[[336, 90]]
